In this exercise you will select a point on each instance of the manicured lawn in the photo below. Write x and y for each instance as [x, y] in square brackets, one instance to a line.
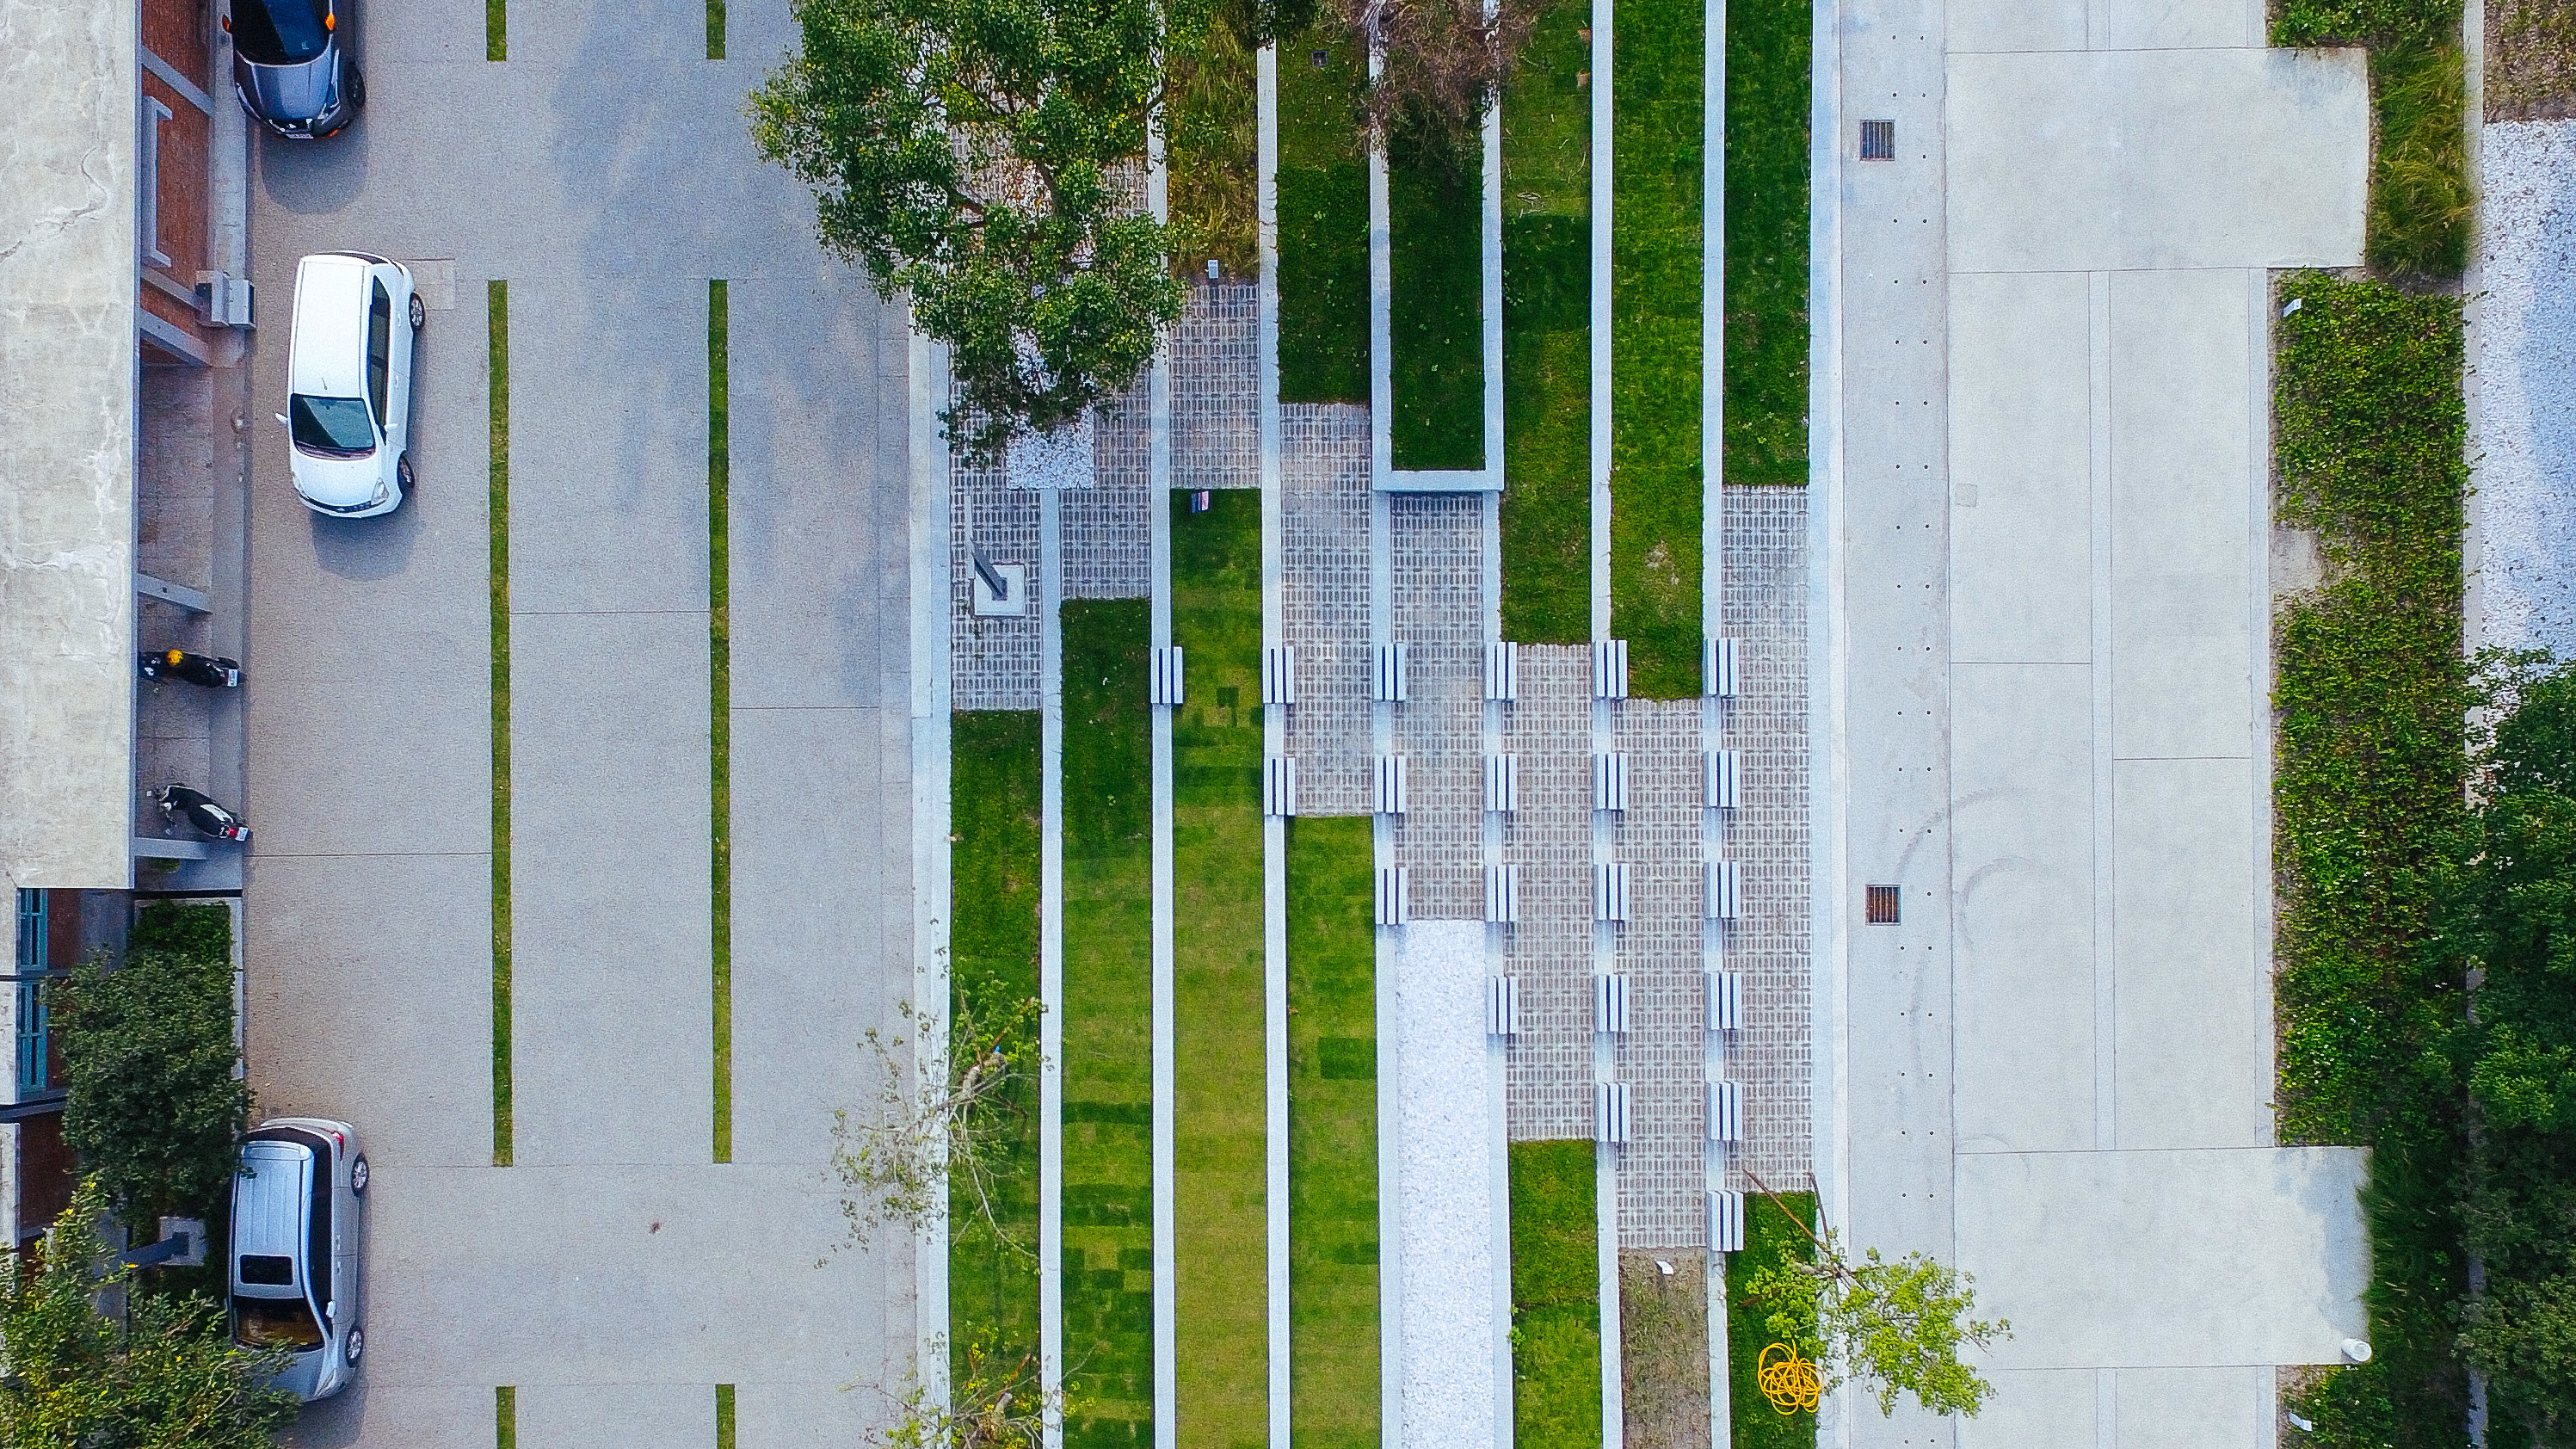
[1332, 1136]
[1655, 338]
[1108, 1020]
[993, 951]
[1435, 264]
[2371, 690]
[1768, 49]
[1547, 334]
[1219, 1112]
[1771, 1238]
[1556, 1297]
[1323, 221]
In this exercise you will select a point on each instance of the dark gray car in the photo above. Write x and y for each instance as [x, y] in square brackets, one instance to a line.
[291, 66]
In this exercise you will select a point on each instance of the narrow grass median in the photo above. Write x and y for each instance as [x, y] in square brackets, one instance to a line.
[1323, 220]
[1332, 1136]
[993, 956]
[1435, 260]
[1108, 1201]
[1656, 300]
[1547, 333]
[1220, 1115]
[1556, 1297]
[720, 709]
[497, 359]
[1769, 48]
[1773, 1237]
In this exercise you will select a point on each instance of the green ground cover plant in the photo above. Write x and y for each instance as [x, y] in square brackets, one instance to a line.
[1212, 148]
[1323, 219]
[1332, 1136]
[1547, 333]
[2370, 696]
[1773, 1239]
[2420, 202]
[497, 360]
[1656, 300]
[154, 1110]
[1768, 60]
[1435, 266]
[1217, 976]
[1108, 1113]
[993, 956]
[1556, 1297]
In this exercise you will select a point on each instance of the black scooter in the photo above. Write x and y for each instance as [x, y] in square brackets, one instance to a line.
[210, 819]
[207, 670]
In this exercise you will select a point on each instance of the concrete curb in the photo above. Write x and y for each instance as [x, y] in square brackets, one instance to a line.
[1274, 833]
[929, 704]
[1159, 531]
[1051, 956]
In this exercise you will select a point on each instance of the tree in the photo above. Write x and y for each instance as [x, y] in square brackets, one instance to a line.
[165, 1375]
[1897, 1327]
[1441, 64]
[902, 1161]
[986, 156]
[987, 1406]
[154, 1108]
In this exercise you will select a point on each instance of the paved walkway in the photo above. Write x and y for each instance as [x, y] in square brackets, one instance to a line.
[615, 1275]
[2046, 535]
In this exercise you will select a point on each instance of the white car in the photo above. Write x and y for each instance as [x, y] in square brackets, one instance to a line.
[292, 1282]
[348, 383]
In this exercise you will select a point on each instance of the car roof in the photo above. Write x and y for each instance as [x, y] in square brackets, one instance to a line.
[327, 351]
[270, 1199]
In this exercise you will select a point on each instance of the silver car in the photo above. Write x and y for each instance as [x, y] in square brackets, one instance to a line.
[292, 68]
[293, 1275]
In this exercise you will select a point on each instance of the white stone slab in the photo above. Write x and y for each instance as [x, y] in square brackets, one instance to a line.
[2018, 25]
[2166, 1259]
[2034, 1409]
[1444, 1153]
[2021, 551]
[2165, 158]
[2193, 1408]
[2022, 906]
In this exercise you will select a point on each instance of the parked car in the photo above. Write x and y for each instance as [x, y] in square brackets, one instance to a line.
[291, 66]
[292, 1281]
[348, 383]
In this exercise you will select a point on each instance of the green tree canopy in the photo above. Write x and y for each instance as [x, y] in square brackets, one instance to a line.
[987, 156]
[154, 1109]
[164, 1375]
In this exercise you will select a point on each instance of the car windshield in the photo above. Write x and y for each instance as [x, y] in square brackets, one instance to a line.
[334, 426]
[275, 1323]
[278, 32]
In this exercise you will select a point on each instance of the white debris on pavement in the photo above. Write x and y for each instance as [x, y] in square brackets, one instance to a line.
[2522, 418]
[1444, 1161]
[1061, 459]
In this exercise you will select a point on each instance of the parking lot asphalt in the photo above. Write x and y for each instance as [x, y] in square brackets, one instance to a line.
[615, 1273]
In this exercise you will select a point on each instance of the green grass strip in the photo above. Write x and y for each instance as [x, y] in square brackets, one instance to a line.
[1772, 1237]
[1323, 220]
[1556, 1297]
[1769, 44]
[505, 1418]
[496, 30]
[1334, 1393]
[2370, 693]
[720, 708]
[1655, 334]
[497, 306]
[1547, 333]
[1214, 149]
[1108, 1115]
[1220, 1114]
[2421, 203]
[993, 955]
[715, 29]
[1436, 270]
[724, 1416]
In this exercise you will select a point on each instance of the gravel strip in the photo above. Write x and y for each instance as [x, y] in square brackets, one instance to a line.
[1450, 1259]
[2522, 419]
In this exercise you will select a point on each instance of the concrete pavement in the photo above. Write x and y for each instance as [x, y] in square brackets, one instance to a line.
[616, 1274]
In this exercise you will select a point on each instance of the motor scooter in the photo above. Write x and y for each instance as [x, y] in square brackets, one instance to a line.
[207, 670]
[210, 819]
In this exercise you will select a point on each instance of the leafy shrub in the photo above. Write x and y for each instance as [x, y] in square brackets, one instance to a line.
[154, 1108]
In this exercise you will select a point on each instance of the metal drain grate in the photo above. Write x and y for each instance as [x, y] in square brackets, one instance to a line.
[1878, 140]
[1883, 905]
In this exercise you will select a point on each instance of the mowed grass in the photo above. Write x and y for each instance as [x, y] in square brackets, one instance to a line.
[993, 958]
[1435, 265]
[1547, 334]
[1556, 1297]
[1332, 1136]
[1655, 338]
[1108, 1018]
[496, 300]
[1221, 1243]
[1323, 220]
[1768, 49]
[1771, 1237]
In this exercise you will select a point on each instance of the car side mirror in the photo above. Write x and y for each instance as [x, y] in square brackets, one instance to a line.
[282, 422]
